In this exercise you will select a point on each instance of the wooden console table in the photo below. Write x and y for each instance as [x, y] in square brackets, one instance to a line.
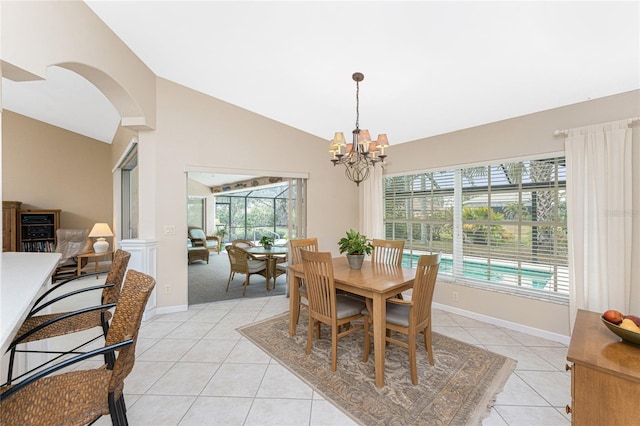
[605, 375]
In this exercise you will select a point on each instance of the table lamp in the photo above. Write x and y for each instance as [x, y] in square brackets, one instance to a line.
[99, 231]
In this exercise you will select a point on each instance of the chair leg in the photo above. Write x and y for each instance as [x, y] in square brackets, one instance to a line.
[310, 335]
[427, 344]
[367, 340]
[246, 283]
[229, 281]
[114, 411]
[334, 347]
[412, 357]
[123, 410]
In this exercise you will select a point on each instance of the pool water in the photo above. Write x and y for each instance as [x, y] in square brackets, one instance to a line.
[479, 271]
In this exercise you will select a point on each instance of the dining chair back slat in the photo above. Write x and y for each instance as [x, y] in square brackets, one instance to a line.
[310, 244]
[387, 251]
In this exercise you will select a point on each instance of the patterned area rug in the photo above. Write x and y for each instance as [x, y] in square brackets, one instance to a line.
[459, 390]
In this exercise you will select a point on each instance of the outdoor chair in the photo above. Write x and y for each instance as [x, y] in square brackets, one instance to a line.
[410, 317]
[45, 326]
[82, 396]
[325, 306]
[200, 239]
[242, 263]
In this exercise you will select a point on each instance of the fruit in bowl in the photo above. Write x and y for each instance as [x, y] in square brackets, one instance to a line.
[633, 318]
[628, 324]
[624, 326]
[613, 316]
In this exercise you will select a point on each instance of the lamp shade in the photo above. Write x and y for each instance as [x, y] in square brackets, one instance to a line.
[99, 231]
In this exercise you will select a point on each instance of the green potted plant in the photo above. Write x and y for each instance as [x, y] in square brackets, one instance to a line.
[266, 242]
[356, 246]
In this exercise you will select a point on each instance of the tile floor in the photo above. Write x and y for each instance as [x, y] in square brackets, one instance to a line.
[193, 368]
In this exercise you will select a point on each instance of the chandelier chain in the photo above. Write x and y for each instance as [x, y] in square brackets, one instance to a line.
[357, 105]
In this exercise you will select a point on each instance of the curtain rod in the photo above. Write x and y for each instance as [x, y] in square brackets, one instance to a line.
[565, 132]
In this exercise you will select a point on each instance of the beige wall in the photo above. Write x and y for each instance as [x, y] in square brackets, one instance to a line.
[198, 131]
[525, 136]
[46, 167]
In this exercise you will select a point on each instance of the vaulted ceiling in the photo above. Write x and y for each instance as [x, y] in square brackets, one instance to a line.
[430, 67]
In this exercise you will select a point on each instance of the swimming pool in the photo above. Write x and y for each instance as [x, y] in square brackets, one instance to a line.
[497, 273]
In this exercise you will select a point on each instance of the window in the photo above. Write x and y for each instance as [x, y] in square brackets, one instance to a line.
[129, 194]
[502, 225]
[196, 212]
[275, 210]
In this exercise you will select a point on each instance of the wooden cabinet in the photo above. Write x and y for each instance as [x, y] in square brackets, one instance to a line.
[37, 230]
[9, 225]
[605, 375]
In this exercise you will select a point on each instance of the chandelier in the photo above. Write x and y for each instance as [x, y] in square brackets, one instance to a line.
[362, 154]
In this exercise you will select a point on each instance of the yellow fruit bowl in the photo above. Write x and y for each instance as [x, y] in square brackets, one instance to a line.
[626, 335]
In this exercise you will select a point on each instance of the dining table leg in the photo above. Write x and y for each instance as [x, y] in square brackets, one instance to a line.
[379, 334]
[294, 304]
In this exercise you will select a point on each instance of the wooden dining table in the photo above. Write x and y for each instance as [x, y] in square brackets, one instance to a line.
[378, 282]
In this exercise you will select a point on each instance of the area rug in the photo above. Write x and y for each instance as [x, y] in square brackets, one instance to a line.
[459, 390]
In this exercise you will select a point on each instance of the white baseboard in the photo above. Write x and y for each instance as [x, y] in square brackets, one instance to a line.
[506, 324]
[172, 309]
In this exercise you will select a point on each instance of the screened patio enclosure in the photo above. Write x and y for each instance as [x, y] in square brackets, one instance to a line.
[251, 213]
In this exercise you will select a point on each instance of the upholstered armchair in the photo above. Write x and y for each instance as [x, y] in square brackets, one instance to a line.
[200, 239]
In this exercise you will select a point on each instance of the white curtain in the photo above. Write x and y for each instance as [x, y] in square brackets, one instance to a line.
[372, 208]
[600, 218]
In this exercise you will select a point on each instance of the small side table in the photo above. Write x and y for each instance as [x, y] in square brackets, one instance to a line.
[97, 258]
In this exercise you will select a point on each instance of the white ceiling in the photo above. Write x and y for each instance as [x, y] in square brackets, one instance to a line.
[430, 67]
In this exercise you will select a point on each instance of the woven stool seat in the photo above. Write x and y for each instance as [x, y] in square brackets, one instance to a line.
[72, 324]
[84, 400]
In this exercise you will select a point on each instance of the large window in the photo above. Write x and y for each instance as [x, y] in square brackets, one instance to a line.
[268, 210]
[501, 225]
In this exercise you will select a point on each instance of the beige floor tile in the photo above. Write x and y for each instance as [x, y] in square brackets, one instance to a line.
[323, 413]
[239, 380]
[210, 351]
[278, 382]
[184, 378]
[217, 411]
[157, 410]
[531, 416]
[168, 350]
[279, 412]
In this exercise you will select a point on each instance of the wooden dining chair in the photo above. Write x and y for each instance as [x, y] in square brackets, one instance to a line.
[295, 256]
[410, 317]
[80, 397]
[325, 306]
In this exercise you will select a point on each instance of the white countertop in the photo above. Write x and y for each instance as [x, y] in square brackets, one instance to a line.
[23, 278]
